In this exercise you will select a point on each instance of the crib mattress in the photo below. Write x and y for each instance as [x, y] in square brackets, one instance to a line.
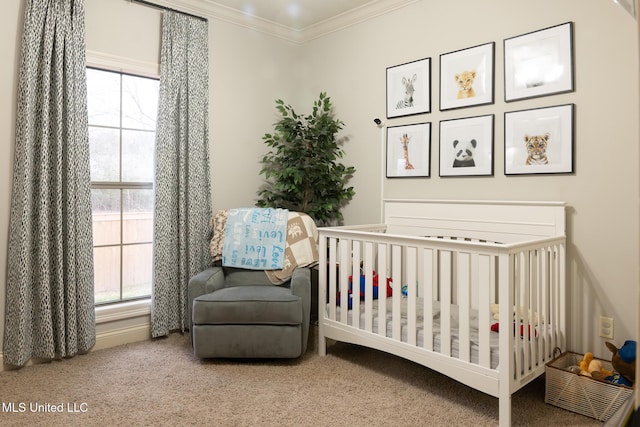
[455, 338]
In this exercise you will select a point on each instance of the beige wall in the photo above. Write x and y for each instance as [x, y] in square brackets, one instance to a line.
[10, 30]
[248, 70]
[602, 195]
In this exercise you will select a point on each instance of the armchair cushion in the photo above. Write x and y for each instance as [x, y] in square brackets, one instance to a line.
[248, 305]
[240, 277]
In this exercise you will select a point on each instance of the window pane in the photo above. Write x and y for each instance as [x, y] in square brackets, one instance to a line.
[136, 270]
[103, 97]
[104, 153]
[122, 122]
[137, 213]
[106, 274]
[139, 102]
[137, 155]
[105, 206]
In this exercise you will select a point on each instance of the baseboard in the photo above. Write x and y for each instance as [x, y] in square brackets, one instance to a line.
[122, 336]
[104, 340]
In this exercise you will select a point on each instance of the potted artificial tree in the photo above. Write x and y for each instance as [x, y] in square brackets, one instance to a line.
[302, 170]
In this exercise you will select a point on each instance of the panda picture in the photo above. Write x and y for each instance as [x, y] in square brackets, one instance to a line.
[466, 146]
[464, 151]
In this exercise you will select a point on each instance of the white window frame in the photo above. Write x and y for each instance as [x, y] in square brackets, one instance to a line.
[127, 315]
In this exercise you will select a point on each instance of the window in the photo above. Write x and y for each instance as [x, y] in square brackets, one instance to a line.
[122, 112]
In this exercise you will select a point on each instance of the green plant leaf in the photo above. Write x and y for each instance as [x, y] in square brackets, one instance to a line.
[301, 171]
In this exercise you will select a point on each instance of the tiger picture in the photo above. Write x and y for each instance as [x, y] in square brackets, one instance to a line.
[537, 149]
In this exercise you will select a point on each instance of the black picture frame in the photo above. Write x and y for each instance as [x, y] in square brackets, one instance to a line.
[409, 151]
[539, 140]
[409, 88]
[467, 77]
[466, 146]
[540, 63]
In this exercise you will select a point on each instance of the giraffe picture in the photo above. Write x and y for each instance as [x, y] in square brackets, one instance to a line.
[409, 151]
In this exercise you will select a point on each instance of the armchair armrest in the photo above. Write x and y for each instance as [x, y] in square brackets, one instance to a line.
[301, 286]
[202, 283]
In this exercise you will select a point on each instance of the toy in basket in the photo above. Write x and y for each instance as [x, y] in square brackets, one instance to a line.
[624, 363]
[570, 387]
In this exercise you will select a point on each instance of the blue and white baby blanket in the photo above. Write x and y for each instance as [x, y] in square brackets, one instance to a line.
[255, 238]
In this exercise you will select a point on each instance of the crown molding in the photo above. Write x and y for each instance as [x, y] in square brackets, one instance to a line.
[352, 17]
[211, 9]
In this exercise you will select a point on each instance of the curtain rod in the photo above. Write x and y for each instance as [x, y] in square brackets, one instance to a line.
[160, 7]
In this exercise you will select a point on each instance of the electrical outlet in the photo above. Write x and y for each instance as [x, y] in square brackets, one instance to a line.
[606, 327]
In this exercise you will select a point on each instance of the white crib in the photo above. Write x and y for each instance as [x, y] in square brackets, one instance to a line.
[460, 263]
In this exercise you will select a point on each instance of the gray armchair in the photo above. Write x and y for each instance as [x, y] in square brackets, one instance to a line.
[239, 313]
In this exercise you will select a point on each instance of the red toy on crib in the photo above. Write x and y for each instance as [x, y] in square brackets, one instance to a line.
[362, 286]
[496, 328]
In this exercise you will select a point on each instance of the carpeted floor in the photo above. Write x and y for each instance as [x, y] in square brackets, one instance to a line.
[160, 382]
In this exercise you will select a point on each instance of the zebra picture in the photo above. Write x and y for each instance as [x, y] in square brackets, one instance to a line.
[407, 101]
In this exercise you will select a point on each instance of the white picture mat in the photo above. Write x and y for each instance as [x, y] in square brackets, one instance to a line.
[539, 63]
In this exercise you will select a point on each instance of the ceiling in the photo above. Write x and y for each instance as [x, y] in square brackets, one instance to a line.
[295, 20]
[294, 14]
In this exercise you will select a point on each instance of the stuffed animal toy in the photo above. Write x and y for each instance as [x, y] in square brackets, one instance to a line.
[591, 367]
[623, 362]
[496, 328]
[523, 315]
[464, 151]
[389, 290]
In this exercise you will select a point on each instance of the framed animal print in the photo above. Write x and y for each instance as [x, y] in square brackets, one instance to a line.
[409, 151]
[467, 76]
[539, 141]
[409, 88]
[466, 146]
[539, 63]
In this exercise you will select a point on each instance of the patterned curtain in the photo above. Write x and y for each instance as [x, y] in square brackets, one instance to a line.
[49, 301]
[182, 187]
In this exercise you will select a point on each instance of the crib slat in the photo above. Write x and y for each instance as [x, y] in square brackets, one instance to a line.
[382, 302]
[368, 293]
[464, 301]
[430, 278]
[355, 285]
[540, 327]
[411, 277]
[515, 301]
[445, 302]
[483, 266]
[524, 306]
[345, 258]
[333, 242]
[396, 274]
[558, 301]
[506, 277]
[545, 311]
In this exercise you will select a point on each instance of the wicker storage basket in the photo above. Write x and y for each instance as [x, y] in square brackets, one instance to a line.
[581, 394]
